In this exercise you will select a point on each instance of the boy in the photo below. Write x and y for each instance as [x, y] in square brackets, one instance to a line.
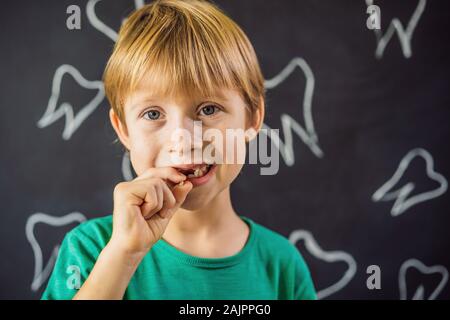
[174, 233]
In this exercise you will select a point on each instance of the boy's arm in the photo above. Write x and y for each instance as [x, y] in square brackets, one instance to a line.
[86, 270]
[111, 274]
[143, 208]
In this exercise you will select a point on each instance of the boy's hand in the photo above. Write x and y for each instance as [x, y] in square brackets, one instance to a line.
[144, 206]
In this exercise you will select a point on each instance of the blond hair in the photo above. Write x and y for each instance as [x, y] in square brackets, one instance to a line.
[182, 47]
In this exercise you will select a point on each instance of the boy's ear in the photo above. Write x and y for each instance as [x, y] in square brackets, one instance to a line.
[256, 120]
[119, 128]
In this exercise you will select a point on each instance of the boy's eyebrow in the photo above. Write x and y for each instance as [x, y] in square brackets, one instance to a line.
[156, 99]
[217, 96]
[142, 101]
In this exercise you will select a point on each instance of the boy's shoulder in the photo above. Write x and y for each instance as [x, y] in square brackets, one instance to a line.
[273, 243]
[96, 229]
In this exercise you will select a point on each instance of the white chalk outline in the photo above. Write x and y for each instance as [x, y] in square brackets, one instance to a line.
[329, 256]
[139, 3]
[401, 203]
[98, 24]
[52, 113]
[419, 293]
[289, 124]
[41, 274]
[404, 36]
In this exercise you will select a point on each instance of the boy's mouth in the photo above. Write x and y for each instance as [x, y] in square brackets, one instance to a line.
[195, 171]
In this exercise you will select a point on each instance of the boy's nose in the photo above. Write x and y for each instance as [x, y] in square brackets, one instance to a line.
[185, 154]
[186, 141]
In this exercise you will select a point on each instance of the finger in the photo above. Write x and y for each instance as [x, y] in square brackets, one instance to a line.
[166, 173]
[169, 201]
[158, 206]
[180, 193]
[149, 202]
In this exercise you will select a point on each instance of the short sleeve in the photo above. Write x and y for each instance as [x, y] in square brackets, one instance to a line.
[296, 281]
[76, 258]
[304, 286]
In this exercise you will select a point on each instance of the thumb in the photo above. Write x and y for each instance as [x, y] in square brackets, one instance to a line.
[179, 192]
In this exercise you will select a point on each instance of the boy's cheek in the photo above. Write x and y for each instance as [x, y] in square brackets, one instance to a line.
[142, 158]
[228, 172]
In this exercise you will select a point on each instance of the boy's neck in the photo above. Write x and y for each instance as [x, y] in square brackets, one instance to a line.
[214, 218]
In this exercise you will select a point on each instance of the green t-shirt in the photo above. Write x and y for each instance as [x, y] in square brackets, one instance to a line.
[268, 267]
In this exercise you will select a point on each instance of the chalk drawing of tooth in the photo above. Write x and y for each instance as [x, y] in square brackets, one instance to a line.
[307, 134]
[419, 294]
[396, 27]
[328, 256]
[41, 272]
[65, 109]
[403, 200]
[100, 25]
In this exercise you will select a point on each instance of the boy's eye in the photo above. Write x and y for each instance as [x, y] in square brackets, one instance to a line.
[209, 109]
[153, 114]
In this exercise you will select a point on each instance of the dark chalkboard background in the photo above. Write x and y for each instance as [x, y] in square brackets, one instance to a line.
[368, 113]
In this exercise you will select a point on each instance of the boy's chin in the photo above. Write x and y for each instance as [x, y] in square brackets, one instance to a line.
[196, 201]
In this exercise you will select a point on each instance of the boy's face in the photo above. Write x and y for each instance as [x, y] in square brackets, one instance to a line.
[149, 135]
